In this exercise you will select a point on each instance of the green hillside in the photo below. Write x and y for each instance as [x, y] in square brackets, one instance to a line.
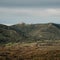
[29, 32]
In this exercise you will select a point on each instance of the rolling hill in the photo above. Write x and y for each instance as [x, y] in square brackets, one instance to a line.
[29, 32]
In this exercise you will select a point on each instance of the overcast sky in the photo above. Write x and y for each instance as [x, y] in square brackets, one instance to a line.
[29, 11]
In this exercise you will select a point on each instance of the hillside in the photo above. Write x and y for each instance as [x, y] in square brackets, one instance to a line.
[48, 31]
[29, 32]
[30, 42]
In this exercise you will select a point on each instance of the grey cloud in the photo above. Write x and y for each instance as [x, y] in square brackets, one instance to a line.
[30, 3]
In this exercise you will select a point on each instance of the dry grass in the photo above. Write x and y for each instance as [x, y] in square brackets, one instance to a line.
[30, 52]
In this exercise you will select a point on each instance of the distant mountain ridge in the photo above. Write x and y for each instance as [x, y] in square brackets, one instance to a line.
[29, 32]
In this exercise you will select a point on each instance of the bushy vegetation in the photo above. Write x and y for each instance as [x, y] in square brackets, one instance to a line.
[29, 32]
[30, 42]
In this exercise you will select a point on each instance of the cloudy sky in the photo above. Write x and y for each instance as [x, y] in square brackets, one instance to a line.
[29, 11]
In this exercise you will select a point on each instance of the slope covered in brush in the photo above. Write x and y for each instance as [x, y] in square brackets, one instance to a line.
[29, 32]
